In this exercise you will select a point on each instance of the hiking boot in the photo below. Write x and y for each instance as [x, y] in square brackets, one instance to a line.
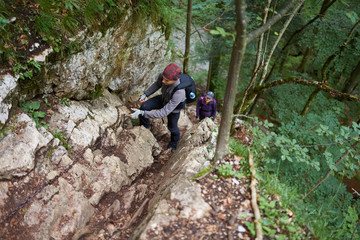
[172, 146]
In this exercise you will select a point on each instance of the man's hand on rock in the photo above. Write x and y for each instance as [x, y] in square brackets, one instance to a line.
[142, 98]
[136, 113]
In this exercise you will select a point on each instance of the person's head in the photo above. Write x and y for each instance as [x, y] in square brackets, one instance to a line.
[171, 74]
[209, 96]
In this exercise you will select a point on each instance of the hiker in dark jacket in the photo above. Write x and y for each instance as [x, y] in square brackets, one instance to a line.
[168, 104]
[206, 106]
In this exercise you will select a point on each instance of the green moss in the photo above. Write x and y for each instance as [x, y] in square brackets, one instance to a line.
[202, 172]
[97, 93]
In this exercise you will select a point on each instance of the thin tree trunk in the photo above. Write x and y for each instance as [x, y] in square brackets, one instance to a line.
[281, 33]
[222, 146]
[316, 91]
[214, 74]
[187, 37]
[309, 102]
[208, 81]
[257, 65]
[268, 58]
[254, 34]
[354, 80]
[325, 6]
[304, 60]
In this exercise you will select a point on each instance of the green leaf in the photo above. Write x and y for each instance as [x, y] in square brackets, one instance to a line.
[35, 105]
[251, 227]
[41, 114]
[291, 228]
[214, 32]
[111, 3]
[272, 204]
[270, 231]
[100, 7]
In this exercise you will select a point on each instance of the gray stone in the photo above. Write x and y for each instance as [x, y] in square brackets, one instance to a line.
[17, 150]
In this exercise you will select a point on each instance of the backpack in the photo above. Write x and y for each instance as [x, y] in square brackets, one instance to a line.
[187, 83]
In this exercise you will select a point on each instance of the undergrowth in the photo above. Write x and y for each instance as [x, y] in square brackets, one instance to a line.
[290, 161]
[54, 22]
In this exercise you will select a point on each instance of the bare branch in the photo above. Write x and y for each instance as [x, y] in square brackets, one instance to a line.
[356, 192]
[326, 5]
[259, 235]
[254, 34]
[259, 56]
[281, 33]
[333, 92]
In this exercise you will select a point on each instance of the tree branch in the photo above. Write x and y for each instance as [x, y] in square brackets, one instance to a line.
[281, 32]
[259, 235]
[326, 5]
[333, 92]
[254, 34]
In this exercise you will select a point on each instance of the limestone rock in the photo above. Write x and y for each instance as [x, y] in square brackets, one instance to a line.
[177, 187]
[67, 211]
[18, 148]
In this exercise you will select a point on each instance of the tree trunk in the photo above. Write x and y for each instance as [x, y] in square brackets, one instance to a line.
[354, 80]
[259, 61]
[214, 67]
[309, 102]
[187, 37]
[222, 146]
[304, 60]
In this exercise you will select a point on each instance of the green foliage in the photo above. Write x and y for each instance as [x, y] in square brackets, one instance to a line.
[298, 155]
[27, 70]
[72, 4]
[33, 109]
[97, 93]
[55, 22]
[202, 172]
[335, 27]
[64, 100]
[62, 137]
[220, 31]
[226, 170]
[350, 228]
[275, 219]
[161, 13]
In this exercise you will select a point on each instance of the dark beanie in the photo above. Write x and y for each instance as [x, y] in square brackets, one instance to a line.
[172, 72]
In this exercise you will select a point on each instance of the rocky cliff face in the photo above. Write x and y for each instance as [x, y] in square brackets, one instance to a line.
[124, 59]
